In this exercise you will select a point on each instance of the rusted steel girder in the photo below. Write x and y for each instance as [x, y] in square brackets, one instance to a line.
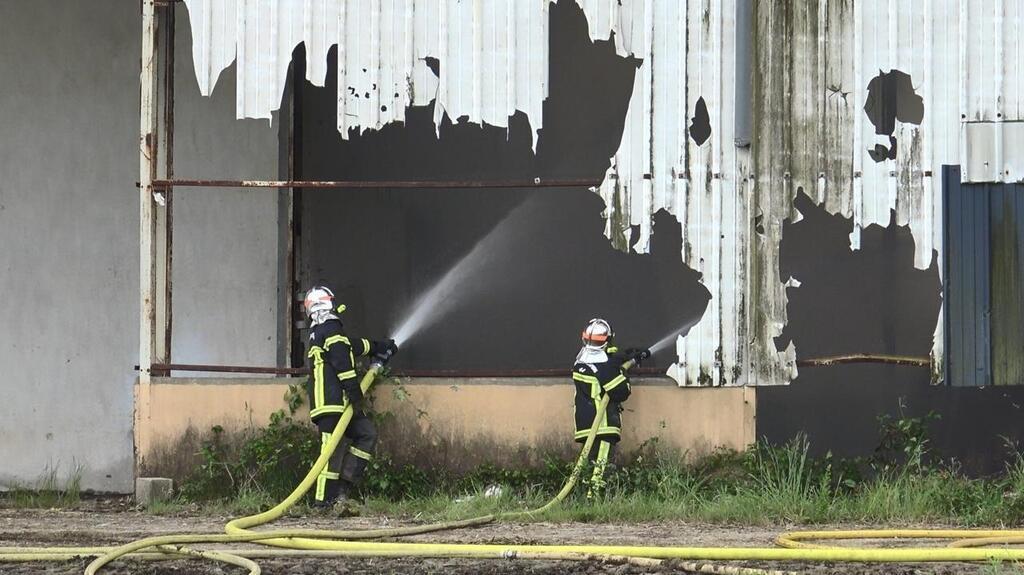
[913, 361]
[534, 183]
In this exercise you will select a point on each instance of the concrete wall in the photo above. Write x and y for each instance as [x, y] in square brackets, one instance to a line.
[458, 423]
[225, 240]
[69, 227]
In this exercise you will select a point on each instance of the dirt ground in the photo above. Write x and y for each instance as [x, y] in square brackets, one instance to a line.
[111, 525]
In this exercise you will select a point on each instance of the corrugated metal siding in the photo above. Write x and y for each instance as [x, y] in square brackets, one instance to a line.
[984, 282]
[688, 53]
[813, 62]
[813, 133]
[966, 289]
[493, 55]
[1006, 320]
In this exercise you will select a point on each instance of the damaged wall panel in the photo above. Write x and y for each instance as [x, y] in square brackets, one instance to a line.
[864, 122]
[677, 154]
[856, 103]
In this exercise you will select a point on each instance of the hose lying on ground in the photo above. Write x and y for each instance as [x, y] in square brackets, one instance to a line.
[308, 542]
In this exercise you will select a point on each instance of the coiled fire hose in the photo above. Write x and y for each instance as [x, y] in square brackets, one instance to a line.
[793, 547]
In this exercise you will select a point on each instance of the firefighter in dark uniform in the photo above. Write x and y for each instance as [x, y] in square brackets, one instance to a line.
[598, 372]
[332, 387]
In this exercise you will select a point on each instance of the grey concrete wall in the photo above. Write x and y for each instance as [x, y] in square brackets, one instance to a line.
[69, 236]
[225, 240]
[68, 227]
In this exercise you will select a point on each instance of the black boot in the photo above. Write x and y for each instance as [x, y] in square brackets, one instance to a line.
[344, 505]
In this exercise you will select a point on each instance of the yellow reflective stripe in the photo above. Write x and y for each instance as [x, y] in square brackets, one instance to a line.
[615, 382]
[318, 376]
[346, 375]
[366, 346]
[335, 339]
[359, 453]
[327, 409]
[600, 462]
[321, 487]
[331, 475]
[600, 431]
[321, 480]
[577, 376]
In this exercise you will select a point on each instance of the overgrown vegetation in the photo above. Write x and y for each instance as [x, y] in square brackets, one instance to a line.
[901, 482]
[48, 491]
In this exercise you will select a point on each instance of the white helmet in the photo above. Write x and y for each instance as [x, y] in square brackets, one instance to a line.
[318, 298]
[596, 337]
[597, 334]
[319, 305]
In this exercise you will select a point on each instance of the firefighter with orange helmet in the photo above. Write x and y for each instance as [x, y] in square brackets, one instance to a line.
[332, 387]
[599, 371]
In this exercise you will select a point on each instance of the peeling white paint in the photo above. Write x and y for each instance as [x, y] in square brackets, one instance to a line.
[812, 65]
[493, 55]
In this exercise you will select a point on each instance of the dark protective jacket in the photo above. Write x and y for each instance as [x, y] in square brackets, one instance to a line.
[332, 383]
[592, 382]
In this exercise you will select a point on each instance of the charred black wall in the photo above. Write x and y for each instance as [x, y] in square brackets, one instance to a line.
[526, 306]
[873, 301]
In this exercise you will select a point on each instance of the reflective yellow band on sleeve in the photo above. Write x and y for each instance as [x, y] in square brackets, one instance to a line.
[614, 382]
[577, 376]
[360, 453]
[335, 339]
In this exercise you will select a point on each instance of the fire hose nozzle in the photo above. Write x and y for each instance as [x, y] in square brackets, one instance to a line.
[382, 357]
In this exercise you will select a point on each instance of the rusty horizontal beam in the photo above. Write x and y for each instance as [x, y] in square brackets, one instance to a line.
[340, 184]
[915, 361]
[554, 372]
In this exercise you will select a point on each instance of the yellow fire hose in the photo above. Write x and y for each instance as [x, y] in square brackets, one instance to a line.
[795, 546]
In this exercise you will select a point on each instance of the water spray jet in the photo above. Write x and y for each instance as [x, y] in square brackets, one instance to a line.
[441, 298]
[674, 335]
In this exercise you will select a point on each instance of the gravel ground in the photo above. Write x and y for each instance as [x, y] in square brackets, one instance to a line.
[110, 524]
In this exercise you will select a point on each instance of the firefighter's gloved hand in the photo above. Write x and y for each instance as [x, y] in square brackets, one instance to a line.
[640, 355]
[385, 349]
[637, 354]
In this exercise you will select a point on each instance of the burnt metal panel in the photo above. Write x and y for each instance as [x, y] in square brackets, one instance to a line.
[940, 78]
[966, 291]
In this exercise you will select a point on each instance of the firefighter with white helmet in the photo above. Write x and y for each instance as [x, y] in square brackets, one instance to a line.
[332, 387]
[598, 372]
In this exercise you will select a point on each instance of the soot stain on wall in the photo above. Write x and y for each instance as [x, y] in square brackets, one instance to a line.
[872, 300]
[381, 248]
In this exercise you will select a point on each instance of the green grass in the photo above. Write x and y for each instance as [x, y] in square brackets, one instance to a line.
[47, 492]
[901, 484]
[1002, 568]
[766, 486]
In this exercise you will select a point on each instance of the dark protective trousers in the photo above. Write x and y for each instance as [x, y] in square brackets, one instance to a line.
[600, 454]
[346, 466]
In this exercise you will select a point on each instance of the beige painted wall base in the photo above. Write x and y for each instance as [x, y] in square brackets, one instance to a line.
[459, 423]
